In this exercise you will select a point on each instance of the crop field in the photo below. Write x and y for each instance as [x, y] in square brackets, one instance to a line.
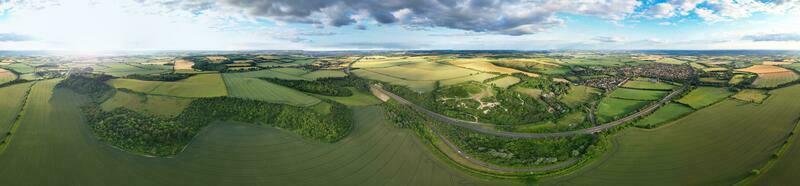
[600, 61]
[158, 105]
[718, 145]
[772, 80]
[648, 85]
[739, 78]
[537, 65]
[424, 71]
[505, 82]
[636, 94]
[476, 77]
[422, 86]
[388, 62]
[716, 69]
[13, 98]
[375, 152]
[324, 74]
[257, 89]
[578, 95]
[666, 113]
[610, 109]
[201, 85]
[703, 96]
[6, 76]
[751, 95]
[484, 65]
[183, 65]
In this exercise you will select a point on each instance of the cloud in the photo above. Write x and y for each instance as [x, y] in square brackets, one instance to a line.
[509, 17]
[605, 39]
[773, 37]
[376, 45]
[12, 37]
[661, 10]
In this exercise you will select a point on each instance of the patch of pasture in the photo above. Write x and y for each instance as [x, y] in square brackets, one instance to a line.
[669, 60]
[532, 92]
[772, 80]
[751, 95]
[157, 105]
[324, 74]
[666, 113]
[201, 85]
[20, 68]
[291, 71]
[703, 96]
[387, 62]
[257, 89]
[123, 69]
[505, 82]
[183, 65]
[637, 94]
[692, 150]
[648, 85]
[579, 94]
[610, 109]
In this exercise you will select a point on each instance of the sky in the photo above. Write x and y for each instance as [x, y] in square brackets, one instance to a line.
[99, 25]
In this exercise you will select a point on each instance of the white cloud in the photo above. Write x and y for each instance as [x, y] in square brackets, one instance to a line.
[661, 10]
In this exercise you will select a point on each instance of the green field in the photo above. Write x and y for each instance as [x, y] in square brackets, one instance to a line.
[158, 105]
[20, 68]
[532, 92]
[668, 112]
[610, 109]
[53, 146]
[201, 85]
[718, 145]
[648, 85]
[264, 74]
[505, 82]
[123, 69]
[704, 96]
[13, 98]
[257, 89]
[636, 94]
[290, 71]
[580, 94]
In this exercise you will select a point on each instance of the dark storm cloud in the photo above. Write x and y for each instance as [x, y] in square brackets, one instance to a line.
[11, 37]
[773, 37]
[509, 17]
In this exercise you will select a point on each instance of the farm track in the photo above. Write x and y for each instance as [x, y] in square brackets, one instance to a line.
[489, 129]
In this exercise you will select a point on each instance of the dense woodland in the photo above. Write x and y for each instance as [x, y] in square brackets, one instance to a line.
[494, 149]
[316, 87]
[152, 135]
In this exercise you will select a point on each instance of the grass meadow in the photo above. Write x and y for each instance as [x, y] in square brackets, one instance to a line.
[152, 104]
[201, 85]
[666, 113]
[636, 94]
[703, 96]
[610, 109]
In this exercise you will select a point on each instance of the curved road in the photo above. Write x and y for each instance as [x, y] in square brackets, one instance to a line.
[489, 129]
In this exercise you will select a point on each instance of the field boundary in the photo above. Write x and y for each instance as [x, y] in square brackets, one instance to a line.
[776, 157]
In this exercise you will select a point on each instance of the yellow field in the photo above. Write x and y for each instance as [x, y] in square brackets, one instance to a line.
[201, 85]
[217, 59]
[770, 76]
[380, 62]
[751, 95]
[183, 65]
[483, 65]
[776, 63]
[422, 86]
[477, 77]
